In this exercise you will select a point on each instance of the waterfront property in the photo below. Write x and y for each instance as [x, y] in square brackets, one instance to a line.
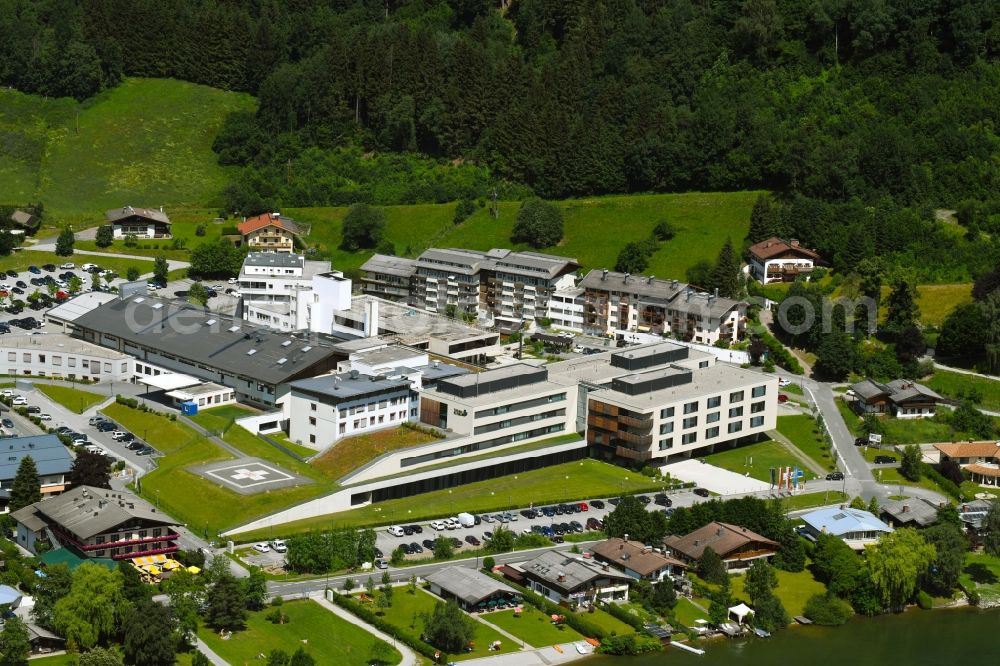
[97, 523]
[637, 560]
[559, 577]
[855, 527]
[470, 588]
[737, 546]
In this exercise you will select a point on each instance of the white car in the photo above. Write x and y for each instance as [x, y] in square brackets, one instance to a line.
[279, 546]
[7, 393]
[262, 547]
[44, 417]
[88, 267]
[19, 400]
[784, 382]
[69, 265]
[233, 280]
[217, 287]
[118, 434]
[438, 525]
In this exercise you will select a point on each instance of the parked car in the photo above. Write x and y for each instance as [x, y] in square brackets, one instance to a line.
[529, 513]
[662, 500]
[702, 492]
[94, 420]
[10, 273]
[782, 397]
[472, 541]
[784, 382]
[404, 548]
[487, 536]
[643, 498]
[835, 476]
[583, 506]
[135, 445]
[577, 527]
[428, 544]
[594, 524]
[381, 564]
[34, 269]
[860, 441]
[69, 264]
[49, 267]
[597, 504]
[7, 423]
[279, 546]
[145, 451]
[615, 501]
[395, 530]
[19, 400]
[438, 525]
[262, 547]
[407, 530]
[486, 518]
[417, 529]
[106, 426]
[34, 409]
[416, 548]
[884, 460]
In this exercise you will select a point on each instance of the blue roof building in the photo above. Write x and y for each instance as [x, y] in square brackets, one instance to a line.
[856, 527]
[51, 457]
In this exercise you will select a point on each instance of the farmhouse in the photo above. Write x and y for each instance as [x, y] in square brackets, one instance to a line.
[779, 260]
[272, 232]
[139, 222]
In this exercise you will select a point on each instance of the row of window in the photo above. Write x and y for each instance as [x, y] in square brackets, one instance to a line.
[57, 360]
[712, 417]
[710, 433]
[518, 406]
[716, 401]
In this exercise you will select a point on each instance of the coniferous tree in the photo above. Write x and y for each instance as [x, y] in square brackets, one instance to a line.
[903, 311]
[105, 236]
[226, 604]
[726, 274]
[64, 243]
[26, 488]
[762, 220]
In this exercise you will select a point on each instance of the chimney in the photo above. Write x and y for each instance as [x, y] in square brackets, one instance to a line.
[651, 278]
[716, 292]
[688, 295]
[562, 577]
[604, 275]
[626, 538]
[371, 319]
[719, 531]
[795, 242]
[627, 276]
[606, 567]
[906, 508]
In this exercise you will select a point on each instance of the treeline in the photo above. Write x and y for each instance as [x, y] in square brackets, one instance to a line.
[830, 100]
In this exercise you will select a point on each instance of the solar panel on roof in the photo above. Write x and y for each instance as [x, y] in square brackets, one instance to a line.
[233, 329]
[286, 343]
[306, 348]
[251, 352]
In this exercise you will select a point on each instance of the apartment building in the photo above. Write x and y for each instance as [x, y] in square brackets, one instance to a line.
[658, 413]
[567, 309]
[505, 286]
[282, 290]
[615, 302]
[270, 232]
[320, 411]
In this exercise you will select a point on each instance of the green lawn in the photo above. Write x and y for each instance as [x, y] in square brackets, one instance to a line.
[406, 611]
[802, 431]
[891, 475]
[205, 507]
[58, 660]
[352, 452]
[982, 573]
[586, 479]
[794, 589]
[903, 431]
[811, 500]
[328, 638]
[686, 612]
[936, 301]
[185, 221]
[282, 439]
[957, 385]
[756, 459]
[71, 398]
[147, 142]
[609, 623]
[703, 220]
[217, 419]
[533, 627]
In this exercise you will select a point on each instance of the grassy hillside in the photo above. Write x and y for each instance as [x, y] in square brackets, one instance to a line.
[596, 228]
[146, 142]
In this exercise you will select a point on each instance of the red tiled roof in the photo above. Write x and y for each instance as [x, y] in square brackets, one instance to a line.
[252, 224]
[774, 246]
[969, 449]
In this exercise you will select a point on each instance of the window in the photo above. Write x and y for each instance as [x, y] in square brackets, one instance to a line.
[756, 421]
[712, 432]
[72, 361]
[736, 396]
[312, 420]
[343, 428]
[735, 426]
[689, 438]
[312, 439]
[11, 357]
[56, 360]
[715, 401]
[667, 413]
[735, 412]
[690, 422]
[667, 443]
[41, 358]
[758, 391]
[157, 531]
[666, 428]
[702, 364]
[26, 357]
[712, 417]
[312, 406]
[757, 407]
[691, 407]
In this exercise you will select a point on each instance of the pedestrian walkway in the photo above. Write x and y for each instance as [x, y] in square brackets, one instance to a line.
[546, 656]
[797, 452]
[963, 371]
[409, 657]
[517, 641]
[207, 651]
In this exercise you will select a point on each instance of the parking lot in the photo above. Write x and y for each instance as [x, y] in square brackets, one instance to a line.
[19, 285]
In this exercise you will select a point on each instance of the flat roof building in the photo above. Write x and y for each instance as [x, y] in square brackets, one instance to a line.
[471, 589]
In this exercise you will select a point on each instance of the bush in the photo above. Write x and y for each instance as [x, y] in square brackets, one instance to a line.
[539, 224]
[629, 644]
[925, 600]
[463, 210]
[828, 610]
[489, 563]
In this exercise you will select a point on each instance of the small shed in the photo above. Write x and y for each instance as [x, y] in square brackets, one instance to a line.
[470, 588]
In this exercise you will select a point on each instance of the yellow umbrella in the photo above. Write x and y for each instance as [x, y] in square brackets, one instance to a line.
[170, 565]
[153, 570]
[194, 570]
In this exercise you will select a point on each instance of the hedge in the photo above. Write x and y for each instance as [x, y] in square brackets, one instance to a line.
[423, 647]
[943, 483]
[779, 354]
[628, 618]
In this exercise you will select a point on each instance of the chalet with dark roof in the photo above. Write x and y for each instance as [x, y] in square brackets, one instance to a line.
[737, 546]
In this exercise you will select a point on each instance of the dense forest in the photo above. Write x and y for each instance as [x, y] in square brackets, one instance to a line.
[863, 116]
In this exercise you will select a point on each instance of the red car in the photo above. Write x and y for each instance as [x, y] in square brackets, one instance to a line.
[782, 397]
[584, 507]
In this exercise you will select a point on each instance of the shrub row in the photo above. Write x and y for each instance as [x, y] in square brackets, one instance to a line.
[943, 483]
[348, 603]
[628, 618]
[135, 404]
[574, 620]
[629, 644]
[779, 355]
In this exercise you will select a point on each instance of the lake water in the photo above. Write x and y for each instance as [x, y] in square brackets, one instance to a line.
[916, 638]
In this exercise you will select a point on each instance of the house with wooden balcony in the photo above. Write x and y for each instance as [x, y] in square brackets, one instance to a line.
[738, 546]
[902, 398]
[780, 260]
[269, 232]
[97, 523]
[139, 222]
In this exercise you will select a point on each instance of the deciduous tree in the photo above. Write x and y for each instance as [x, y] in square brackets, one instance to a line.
[90, 469]
[539, 224]
[448, 628]
[149, 641]
[15, 643]
[89, 614]
[363, 227]
[896, 563]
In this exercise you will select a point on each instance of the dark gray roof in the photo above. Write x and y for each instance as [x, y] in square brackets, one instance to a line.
[469, 585]
[913, 510]
[898, 390]
[703, 304]
[274, 259]
[466, 262]
[87, 511]
[530, 263]
[388, 265]
[550, 565]
[24, 219]
[436, 371]
[869, 389]
[345, 387]
[116, 214]
[193, 334]
[49, 454]
[636, 284]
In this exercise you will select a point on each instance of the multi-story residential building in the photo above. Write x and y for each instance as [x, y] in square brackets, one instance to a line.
[567, 309]
[139, 222]
[58, 355]
[52, 460]
[269, 232]
[779, 260]
[97, 523]
[616, 302]
[320, 411]
[284, 291]
[508, 287]
[659, 413]
[572, 579]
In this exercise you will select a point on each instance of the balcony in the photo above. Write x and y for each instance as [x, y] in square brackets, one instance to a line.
[632, 438]
[641, 422]
[632, 454]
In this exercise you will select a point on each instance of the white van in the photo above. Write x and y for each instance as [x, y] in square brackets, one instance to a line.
[395, 531]
[466, 519]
